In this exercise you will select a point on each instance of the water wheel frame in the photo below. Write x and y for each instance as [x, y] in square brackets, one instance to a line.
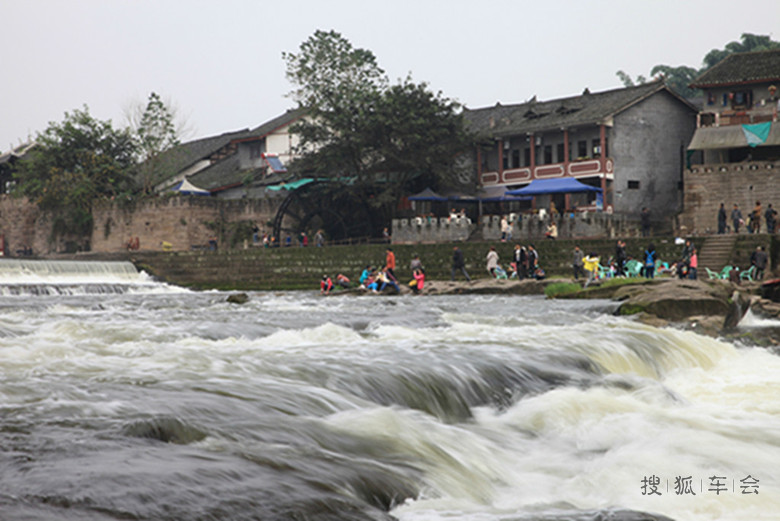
[343, 215]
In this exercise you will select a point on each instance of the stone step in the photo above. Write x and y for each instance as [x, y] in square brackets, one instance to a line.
[716, 251]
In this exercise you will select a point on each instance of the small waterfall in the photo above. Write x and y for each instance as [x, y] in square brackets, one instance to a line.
[68, 277]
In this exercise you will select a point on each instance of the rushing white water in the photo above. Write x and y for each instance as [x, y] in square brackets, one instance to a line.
[158, 403]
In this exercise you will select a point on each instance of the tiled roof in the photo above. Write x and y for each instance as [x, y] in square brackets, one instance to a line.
[537, 116]
[183, 156]
[739, 68]
[187, 154]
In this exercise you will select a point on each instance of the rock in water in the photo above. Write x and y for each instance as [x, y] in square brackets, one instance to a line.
[238, 298]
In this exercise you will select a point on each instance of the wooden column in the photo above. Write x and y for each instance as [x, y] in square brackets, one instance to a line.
[479, 164]
[603, 161]
[567, 197]
[500, 160]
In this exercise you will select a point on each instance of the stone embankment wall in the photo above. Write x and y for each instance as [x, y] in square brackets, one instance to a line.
[302, 268]
[21, 225]
[185, 223]
[744, 184]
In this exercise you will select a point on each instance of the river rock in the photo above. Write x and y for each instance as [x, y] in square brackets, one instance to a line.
[238, 298]
[674, 300]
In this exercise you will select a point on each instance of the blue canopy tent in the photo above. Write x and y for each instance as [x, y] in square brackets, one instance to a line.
[563, 185]
[427, 195]
[499, 193]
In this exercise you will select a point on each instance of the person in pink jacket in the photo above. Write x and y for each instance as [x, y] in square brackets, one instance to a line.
[419, 281]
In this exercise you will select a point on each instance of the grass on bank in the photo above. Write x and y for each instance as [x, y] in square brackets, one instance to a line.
[567, 289]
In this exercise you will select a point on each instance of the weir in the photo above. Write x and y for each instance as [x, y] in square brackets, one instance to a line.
[70, 277]
[14, 269]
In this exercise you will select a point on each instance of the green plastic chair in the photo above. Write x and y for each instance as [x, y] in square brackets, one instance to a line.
[712, 274]
[747, 274]
[725, 272]
[633, 268]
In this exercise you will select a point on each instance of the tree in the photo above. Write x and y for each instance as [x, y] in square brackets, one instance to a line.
[155, 130]
[625, 78]
[382, 137]
[750, 42]
[74, 163]
[679, 78]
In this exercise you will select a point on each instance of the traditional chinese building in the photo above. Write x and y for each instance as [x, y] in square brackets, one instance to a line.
[735, 151]
[234, 164]
[630, 142]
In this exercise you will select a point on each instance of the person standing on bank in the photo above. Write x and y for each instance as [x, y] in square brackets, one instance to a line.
[722, 219]
[390, 263]
[492, 261]
[755, 218]
[644, 219]
[736, 217]
[649, 264]
[620, 258]
[771, 219]
[459, 264]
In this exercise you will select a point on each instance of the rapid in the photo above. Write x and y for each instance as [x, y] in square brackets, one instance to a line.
[126, 398]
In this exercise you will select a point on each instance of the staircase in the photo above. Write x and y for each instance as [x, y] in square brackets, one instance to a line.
[716, 252]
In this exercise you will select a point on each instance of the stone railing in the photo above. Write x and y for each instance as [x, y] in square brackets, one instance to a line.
[437, 229]
[525, 226]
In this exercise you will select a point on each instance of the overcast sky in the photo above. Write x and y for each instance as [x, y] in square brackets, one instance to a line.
[219, 62]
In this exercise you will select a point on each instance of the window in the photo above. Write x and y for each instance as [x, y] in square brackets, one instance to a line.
[255, 150]
[547, 154]
[633, 185]
[582, 149]
[596, 148]
[559, 152]
[741, 99]
[504, 161]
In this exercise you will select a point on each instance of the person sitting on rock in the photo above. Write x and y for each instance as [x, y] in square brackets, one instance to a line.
[326, 284]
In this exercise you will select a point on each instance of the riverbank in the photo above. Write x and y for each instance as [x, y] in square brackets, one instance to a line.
[709, 307]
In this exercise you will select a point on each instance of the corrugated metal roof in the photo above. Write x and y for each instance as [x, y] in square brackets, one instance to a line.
[732, 136]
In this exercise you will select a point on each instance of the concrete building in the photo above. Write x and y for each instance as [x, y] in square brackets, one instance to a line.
[630, 142]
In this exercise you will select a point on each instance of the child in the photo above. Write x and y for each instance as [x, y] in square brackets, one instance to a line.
[325, 285]
[419, 281]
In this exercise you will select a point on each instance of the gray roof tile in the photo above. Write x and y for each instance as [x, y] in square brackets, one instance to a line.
[740, 68]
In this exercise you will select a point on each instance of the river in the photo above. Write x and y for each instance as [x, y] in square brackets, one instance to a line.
[124, 398]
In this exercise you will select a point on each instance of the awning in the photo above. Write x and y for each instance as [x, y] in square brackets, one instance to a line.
[292, 185]
[187, 188]
[427, 195]
[499, 193]
[563, 185]
[731, 136]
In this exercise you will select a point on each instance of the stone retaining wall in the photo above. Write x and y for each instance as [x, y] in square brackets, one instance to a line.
[708, 186]
[302, 268]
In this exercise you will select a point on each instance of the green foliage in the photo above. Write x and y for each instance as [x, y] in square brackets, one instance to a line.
[749, 42]
[155, 132]
[74, 163]
[679, 78]
[557, 289]
[384, 138]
